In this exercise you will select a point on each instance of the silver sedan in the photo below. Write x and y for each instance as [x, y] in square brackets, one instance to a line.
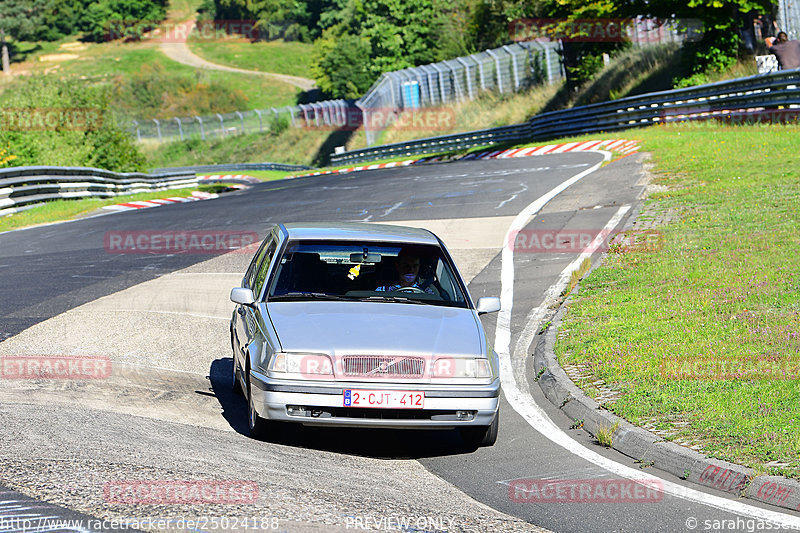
[362, 325]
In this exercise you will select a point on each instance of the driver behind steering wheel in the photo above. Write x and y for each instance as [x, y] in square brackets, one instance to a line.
[407, 266]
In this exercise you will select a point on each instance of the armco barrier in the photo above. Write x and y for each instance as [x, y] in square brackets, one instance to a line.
[233, 167]
[765, 98]
[23, 187]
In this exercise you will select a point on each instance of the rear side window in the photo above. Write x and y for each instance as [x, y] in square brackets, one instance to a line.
[263, 267]
[252, 270]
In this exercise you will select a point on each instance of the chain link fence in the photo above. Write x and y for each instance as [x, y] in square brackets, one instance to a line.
[789, 17]
[505, 69]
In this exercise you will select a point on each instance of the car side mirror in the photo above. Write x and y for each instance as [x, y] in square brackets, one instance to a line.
[488, 304]
[242, 296]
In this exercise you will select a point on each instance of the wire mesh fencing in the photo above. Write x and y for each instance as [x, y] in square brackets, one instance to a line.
[506, 69]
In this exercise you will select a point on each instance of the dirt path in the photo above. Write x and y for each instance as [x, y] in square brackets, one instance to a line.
[179, 51]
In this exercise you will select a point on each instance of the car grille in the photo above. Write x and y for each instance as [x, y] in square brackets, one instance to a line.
[381, 366]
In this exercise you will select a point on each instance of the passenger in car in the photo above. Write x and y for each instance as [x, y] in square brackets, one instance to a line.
[407, 267]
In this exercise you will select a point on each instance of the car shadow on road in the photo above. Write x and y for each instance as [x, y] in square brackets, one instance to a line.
[373, 443]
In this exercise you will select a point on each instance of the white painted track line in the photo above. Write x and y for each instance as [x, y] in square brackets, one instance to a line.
[515, 385]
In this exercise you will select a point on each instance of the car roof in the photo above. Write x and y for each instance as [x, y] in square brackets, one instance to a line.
[359, 231]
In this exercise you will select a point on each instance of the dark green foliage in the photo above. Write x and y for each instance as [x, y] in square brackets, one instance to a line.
[341, 65]
[101, 18]
[278, 125]
[92, 139]
[49, 20]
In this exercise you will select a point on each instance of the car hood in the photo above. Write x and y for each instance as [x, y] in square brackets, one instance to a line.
[376, 328]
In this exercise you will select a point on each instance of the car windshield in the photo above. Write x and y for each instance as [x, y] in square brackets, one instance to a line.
[366, 271]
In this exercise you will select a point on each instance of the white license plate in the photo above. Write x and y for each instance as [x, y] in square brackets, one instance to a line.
[386, 399]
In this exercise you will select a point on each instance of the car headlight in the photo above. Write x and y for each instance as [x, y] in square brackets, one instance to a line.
[302, 363]
[453, 367]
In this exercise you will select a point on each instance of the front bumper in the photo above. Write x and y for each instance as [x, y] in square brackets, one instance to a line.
[323, 404]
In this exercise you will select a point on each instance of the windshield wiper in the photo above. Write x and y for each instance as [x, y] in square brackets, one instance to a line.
[396, 299]
[308, 295]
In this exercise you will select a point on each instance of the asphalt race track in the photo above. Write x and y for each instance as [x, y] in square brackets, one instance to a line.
[166, 411]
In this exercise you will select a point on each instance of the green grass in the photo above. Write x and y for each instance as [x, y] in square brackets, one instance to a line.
[295, 146]
[118, 63]
[58, 210]
[265, 175]
[281, 57]
[180, 10]
[724, 287]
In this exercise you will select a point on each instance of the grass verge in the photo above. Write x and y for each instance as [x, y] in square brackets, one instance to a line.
[60, 210]
[266, 175]
[702, 336]
[280, 57]
[149, 84]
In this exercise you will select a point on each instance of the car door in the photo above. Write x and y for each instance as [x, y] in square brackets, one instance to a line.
[245, 319]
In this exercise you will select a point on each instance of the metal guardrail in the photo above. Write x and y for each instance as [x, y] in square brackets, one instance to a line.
[764, 97]
[233, 167]
[23, 187]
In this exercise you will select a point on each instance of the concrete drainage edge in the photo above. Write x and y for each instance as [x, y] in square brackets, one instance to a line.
[648, 448]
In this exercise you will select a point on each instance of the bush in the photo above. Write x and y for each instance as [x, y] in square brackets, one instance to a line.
[99, 17]
[278, 125]
[82, 130]
[155, 92]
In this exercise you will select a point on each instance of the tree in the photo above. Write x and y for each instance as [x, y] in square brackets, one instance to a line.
[99, 17]
[340, 65]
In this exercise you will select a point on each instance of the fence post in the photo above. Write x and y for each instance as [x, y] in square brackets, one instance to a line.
[305, 113]
[202, 131]
[138, 134]
[442, 92]
[497, 68]
[430, 87]
[513, 66]
[547, 65]
[260, 121]
[481, 74]
[291, 115]
[180, 128]
[241, 121]
[221, 125]
[158, 129]
[457, 89]
[467, 76]
[365, 117]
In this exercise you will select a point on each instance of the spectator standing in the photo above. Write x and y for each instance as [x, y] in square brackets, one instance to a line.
[787, 52]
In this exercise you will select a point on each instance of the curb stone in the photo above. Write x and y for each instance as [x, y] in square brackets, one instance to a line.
[647, 448]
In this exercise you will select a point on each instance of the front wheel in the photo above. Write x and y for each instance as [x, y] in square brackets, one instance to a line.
[258, 426]
[237, 384]
[482, 435]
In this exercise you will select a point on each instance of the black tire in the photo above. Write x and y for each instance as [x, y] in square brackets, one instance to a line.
[258, 426]
[237, 384]
[479, 436]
